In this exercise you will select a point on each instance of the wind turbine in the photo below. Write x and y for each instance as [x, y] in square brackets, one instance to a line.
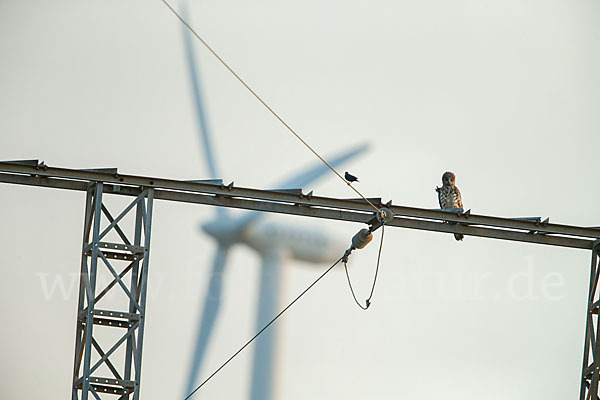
[273, 241]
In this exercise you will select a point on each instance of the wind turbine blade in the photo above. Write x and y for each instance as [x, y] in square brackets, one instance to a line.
[196, 87]
[212, 302]
[198, 100]
[304, 178]
[264, 356]
[319, 169]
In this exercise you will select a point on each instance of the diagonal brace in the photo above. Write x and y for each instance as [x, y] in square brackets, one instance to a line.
[107, 361]
[114, 348]
[118, 279]
[117, 227]
[120, 217]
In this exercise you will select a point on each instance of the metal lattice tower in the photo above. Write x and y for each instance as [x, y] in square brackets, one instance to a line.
[123, 359]
[591, 351]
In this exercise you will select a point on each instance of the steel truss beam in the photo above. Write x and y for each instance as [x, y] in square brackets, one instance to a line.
[297, 203]
[590, 374]
[102, 252]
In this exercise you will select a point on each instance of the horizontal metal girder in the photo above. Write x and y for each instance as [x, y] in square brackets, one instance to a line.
[312, 206]
[110, 390]
[112, 322]
[112, 381]
[342, 215]
[118, 246]
[109, 313]
[111, 171]
[23, 162]
[297, 192]
[116, 256]
[107, 381]
[217, 182]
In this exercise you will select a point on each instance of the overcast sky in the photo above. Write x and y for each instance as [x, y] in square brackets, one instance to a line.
[504, 93]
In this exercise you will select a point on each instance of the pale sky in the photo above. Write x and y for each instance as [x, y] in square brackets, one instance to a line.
[504, 93]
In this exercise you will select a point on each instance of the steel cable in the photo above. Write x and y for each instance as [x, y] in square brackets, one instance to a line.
[263, 329]
[368, 301]
[214, 53]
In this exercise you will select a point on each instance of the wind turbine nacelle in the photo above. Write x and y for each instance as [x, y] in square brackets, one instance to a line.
[310, 245]
[224, 230]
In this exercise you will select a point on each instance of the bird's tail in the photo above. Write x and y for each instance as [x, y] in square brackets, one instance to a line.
[459, 236]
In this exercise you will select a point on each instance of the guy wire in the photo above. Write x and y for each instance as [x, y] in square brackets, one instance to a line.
[265, 104]
[264, 328]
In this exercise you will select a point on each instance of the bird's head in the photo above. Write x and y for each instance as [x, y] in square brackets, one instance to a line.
[448, 179]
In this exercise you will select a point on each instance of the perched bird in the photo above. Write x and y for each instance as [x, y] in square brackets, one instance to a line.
[449, 196]
[350, 178]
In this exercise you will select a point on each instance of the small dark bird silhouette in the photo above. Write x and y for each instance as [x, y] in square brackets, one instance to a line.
[350, 178]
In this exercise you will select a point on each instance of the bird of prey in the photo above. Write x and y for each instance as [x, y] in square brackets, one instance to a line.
[449, 196]
[350, 178]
